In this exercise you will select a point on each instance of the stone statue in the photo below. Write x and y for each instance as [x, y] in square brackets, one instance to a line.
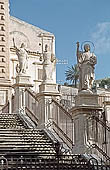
[86, 62]
[22, 58]
[48, 65]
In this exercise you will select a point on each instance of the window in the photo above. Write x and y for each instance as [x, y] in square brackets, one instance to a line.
[2, 7]
[2, 17]
[3, 49]
[2, 38]
[2, 28]
[3, 60]
[3, 71]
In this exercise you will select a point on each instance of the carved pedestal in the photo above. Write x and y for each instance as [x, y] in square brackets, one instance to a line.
[48, 88]
[86, 105]
[86, 98]
[22, 82]
[45, 95]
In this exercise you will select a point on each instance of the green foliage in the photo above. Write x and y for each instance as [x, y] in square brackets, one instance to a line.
[105, 82]
[72, 74]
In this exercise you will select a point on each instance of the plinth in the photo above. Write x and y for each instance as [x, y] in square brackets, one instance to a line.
[22, 82]
[47, 91]
[86, 104]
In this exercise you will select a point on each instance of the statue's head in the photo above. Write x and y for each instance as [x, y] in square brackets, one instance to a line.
[22, 45]
[87, 47]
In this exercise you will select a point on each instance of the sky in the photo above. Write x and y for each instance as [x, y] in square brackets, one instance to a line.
[71, 21]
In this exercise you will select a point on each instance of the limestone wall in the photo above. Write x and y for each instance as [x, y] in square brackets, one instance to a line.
[35, 40]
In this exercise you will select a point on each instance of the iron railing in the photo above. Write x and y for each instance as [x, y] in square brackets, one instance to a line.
[67, 100]
[62, 123]
[60, 162]
[31, 105]
[5, 108]
[102, 99]
[98, 134]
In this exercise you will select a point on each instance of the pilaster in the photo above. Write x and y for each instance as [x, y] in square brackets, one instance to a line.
[46, 93]
[5, 84]
[22, 82]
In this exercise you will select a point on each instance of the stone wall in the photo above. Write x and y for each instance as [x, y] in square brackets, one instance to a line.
[35, 40]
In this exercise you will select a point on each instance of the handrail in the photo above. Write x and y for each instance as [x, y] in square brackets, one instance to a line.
[30, 99]
[63, 122]
[6, 105]
[101, 122]
[64, 134]
[31, 93]
[35, 117]
[63, 109]
[101, 151]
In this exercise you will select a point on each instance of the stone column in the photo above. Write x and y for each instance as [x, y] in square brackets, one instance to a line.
[107, 111]
[22, 82]
[86, 104]
[5, 83]
[45, 95]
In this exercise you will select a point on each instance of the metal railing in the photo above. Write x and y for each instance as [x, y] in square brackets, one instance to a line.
[31, 105]
[62, 123]
[28, 105]
[102, 99]
[5, 108]
[98, 133]
[60, 162]
[67, 100]
[101, 151]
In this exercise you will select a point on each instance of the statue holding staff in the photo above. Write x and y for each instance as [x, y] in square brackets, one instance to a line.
[86, 64]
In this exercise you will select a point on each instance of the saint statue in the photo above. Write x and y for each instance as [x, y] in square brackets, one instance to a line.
[86, 64]
[48, 64]
[22, 58]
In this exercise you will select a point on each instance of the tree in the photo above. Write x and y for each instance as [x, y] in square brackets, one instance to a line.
[72, 74]
[104, 82]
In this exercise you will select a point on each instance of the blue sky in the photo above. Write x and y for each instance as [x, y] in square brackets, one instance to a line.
[71, 21]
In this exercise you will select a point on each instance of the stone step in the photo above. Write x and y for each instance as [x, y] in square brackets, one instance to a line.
[16, 137]
[24, 141]
[28, 147]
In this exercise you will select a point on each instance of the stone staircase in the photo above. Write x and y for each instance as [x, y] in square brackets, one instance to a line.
[25, 140]
[16, 136]
[27, 148]
[12, 121]
[17, 140]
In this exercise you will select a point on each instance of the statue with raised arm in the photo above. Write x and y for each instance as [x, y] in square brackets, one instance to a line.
[86, 64]
[22, 58]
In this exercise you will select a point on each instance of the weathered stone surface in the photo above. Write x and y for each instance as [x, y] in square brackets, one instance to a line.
[35, 40]
[86, 62]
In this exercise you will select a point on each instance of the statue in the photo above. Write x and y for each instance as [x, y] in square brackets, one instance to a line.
[22, 58]
[86, 63]
[48, 65]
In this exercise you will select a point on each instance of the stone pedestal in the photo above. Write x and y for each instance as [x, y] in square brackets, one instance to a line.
[45, 95]
[80, 116]
[86, 103]
[22, 82]
[86, 98]
[48, 88]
